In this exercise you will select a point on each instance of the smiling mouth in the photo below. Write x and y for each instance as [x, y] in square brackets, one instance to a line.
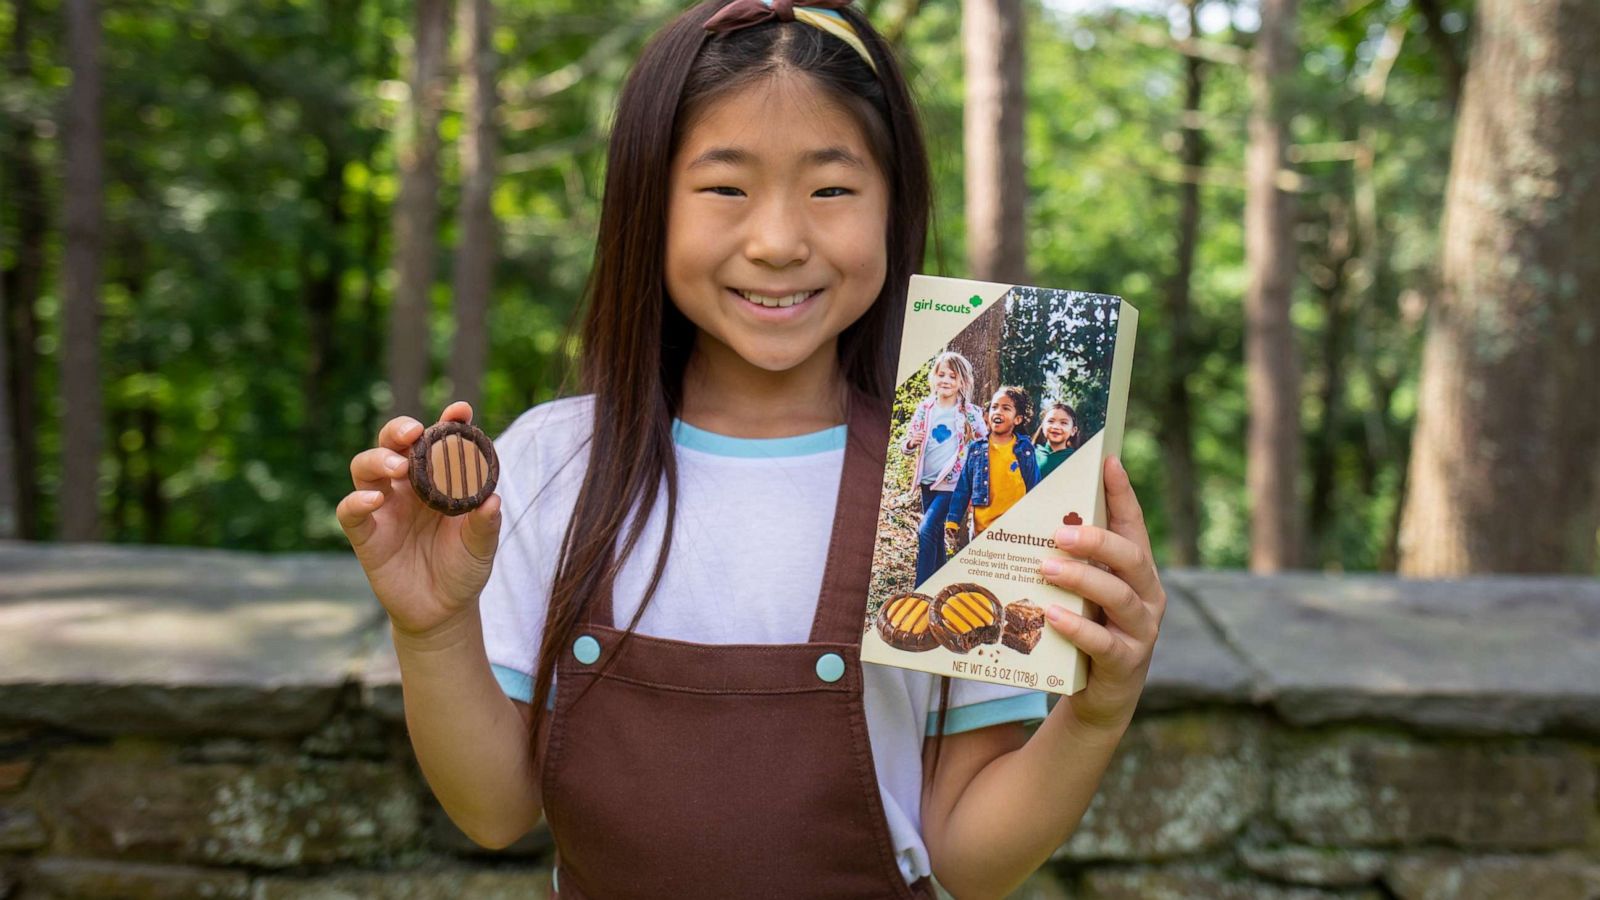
[778, 302]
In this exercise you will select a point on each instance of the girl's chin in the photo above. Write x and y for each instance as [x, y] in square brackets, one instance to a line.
[775, 359]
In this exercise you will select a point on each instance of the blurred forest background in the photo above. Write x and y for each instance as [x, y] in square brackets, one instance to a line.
[1361, 234]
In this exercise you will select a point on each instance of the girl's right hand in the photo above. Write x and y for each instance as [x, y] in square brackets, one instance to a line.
[425, 567]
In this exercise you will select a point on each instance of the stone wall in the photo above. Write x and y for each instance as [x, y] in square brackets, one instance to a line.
[182, 723]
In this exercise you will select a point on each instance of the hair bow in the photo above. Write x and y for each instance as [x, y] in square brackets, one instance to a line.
[819, 13]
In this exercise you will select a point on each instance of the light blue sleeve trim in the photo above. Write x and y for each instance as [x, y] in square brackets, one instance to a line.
[686, 435]
[1027, 707]
[519, 685]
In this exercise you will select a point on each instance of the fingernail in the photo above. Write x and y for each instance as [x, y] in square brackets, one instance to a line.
[1050, 566]
[1117, 461]
[1057, 614]
[370, 496]
[1067, 535]
[396, 464]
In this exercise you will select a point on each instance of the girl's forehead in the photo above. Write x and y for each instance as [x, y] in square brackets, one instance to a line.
[780, 119]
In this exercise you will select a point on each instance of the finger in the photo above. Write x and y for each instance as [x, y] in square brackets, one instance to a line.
[354, 513]
[1121, 603]
[1123, 513]
[1126, 558]
[481, 532]
[1089, 636]
[459, 411]
[372, 469]
[400, 433]
[1102, 545]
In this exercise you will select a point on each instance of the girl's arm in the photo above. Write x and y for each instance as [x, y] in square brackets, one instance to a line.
[916, 432]
[1000, 803]
[470, 739]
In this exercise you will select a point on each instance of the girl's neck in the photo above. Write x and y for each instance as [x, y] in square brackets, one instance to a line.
[947, 402]
[1003, 439]
[725, 394]
[1058, 445]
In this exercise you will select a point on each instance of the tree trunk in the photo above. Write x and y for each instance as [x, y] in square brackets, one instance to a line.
[1331, 276]
[417, 211]
[80, 341]
[1444, 48]
[477, 252]
[323, 292]
[1272, 366]
[370, 350]
[980, 344]
[8, 488]
[1175, 428]
[1503, 476]
[21, 183]
[996, 183]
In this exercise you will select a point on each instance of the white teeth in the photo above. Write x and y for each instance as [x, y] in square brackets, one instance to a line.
[775, 302]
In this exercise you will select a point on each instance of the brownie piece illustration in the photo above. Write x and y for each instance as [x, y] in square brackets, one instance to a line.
[1024, 624]
[903, 622]
[454, 467]
[965, 615]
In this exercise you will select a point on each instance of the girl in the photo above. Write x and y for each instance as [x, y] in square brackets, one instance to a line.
[941, 429]
[658, 651]
[1000, 469]
[1057, 437]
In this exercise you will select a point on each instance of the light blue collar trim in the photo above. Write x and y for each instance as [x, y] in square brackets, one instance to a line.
[827, 440]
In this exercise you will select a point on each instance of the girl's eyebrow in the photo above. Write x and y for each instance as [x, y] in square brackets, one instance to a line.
[726, 156]
[736, 156]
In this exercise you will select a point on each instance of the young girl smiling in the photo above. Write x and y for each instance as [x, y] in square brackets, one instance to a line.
[1057, 437]
[1000, 468]
[938, 434]
[650, 634]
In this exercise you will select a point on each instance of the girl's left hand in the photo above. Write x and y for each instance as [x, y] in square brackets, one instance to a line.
[1130, 592]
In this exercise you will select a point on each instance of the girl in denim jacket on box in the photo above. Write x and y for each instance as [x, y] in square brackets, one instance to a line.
[941, 429]
[1000, 468]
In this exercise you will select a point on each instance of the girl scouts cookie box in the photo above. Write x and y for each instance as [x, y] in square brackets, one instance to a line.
[1008, 400]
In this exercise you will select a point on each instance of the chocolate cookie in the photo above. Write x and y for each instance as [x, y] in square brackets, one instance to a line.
[903, 622]
[454, 467]
[965, 615]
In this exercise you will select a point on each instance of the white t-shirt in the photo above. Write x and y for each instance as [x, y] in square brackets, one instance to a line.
[943, 441]
[754, 512]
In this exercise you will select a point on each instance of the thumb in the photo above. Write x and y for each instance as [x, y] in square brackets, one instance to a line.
[481, 530]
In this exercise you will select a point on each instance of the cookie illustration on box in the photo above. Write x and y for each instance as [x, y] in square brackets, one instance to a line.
[454, 467]
[1024, 624]
[965, 615]
[903, 622]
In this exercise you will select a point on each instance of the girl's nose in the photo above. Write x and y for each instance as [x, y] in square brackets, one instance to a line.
[777, 235]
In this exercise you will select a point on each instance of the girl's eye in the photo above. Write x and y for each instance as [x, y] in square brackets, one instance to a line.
[723, 190]
[827, 192]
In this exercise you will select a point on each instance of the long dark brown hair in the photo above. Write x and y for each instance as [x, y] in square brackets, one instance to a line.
[636, 344]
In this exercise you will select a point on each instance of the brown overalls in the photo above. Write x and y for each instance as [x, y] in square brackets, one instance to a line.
[729, 770]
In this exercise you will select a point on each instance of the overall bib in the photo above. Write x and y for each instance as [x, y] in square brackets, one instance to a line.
[729, 770]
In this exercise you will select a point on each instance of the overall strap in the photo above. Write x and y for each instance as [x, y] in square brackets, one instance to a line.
[842, 607]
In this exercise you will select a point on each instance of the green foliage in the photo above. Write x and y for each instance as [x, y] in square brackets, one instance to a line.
[252, 171]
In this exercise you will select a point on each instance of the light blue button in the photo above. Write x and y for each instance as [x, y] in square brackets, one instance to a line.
[586, 649]
[830, 667]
